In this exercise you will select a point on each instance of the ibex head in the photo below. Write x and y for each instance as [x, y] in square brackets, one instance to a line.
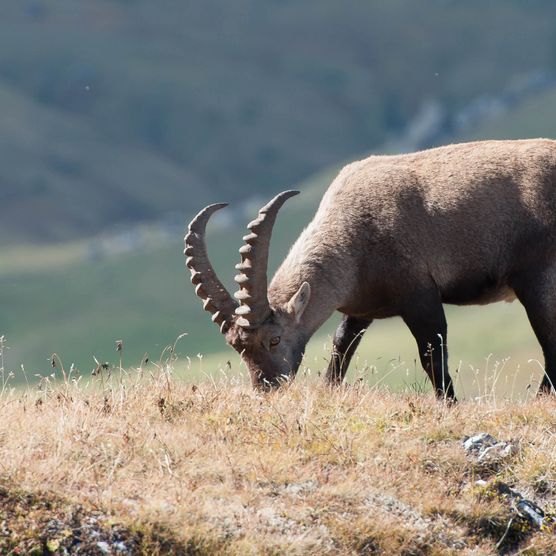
[269, 339]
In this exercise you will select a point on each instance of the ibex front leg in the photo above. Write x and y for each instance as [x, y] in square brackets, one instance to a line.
[347, 338]
[424, 315]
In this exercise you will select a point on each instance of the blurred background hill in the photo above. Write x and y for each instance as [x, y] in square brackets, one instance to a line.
[116, 111]
[121, 119]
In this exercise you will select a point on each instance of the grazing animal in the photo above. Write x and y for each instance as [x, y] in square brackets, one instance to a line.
[471, 223]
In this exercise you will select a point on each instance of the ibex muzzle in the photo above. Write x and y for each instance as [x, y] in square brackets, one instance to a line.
[399, 235]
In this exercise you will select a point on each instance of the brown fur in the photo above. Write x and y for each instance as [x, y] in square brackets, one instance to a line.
[461, 218]
[471, 223]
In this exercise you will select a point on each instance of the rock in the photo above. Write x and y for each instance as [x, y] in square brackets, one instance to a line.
[104, 547]
[525, 508]
[487, 449]
[479, 442]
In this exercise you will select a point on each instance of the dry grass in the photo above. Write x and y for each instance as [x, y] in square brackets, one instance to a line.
[218, 468]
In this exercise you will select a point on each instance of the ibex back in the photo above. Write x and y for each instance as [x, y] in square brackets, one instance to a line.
[472, 223]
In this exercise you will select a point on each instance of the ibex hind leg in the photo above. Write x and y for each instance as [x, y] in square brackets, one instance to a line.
[424, 316]
[346, 339]
[537, 293]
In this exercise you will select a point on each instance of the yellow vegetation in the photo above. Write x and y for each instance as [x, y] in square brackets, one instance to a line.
[222, 469]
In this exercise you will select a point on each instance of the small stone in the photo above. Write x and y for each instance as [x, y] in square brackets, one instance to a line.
[479, 441]
[487, 449]
[120, 547]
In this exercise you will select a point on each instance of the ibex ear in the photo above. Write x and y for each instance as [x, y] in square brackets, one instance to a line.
[299, 300]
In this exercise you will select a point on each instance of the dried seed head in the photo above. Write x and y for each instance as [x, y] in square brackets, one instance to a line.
[100, 367]
[119, 345]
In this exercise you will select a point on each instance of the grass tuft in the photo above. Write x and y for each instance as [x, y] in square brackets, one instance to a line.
[170, 467]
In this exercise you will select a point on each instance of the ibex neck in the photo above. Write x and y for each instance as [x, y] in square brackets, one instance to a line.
[324, 273]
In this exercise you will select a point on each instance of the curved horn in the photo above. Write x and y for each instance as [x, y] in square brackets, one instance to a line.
[254, 306]
[216, 299]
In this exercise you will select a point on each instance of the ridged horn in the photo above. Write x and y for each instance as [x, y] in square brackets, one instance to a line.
[216, 299]
[252, 279]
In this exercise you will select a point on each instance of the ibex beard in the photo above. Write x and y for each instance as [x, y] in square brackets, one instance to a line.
[473, 223]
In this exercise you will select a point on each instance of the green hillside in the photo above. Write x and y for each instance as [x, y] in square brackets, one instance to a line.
[535, 117]
[61, 299]
[124, 111]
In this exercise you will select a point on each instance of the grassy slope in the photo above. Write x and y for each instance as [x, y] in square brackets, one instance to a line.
[220, 469]
[120, 111]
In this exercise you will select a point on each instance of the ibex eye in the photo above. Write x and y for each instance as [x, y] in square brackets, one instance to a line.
[274, 341]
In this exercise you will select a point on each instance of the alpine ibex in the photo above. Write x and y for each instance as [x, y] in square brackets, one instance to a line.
[472, 223]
